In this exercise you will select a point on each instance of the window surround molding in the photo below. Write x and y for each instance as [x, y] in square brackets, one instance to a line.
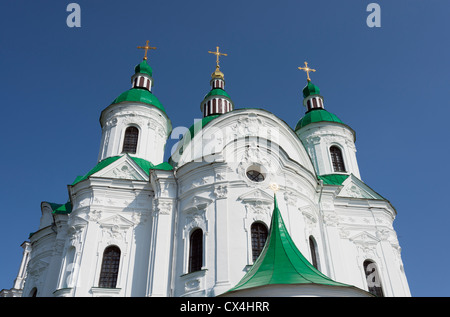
[105, 292]
[115, 230]
[197, 223]
[139, 137]
[343, 157]
[258, 208]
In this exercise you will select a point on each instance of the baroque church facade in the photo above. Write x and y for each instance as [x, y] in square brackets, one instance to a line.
[241, 187]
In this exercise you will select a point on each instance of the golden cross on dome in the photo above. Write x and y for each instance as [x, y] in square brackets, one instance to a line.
[307, 70]
[146, 48]
[217, 53]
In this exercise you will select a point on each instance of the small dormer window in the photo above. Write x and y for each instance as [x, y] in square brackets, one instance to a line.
[130, 140]
[337, 159]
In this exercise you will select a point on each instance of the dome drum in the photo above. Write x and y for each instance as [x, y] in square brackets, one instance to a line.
[216, 105]
[142, 81]
[313, 102]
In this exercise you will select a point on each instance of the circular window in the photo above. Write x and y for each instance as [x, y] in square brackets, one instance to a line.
[255, 174]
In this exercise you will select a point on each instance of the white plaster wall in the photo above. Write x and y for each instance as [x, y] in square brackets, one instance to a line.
[153, 125]
[319, 137]
[150, 220]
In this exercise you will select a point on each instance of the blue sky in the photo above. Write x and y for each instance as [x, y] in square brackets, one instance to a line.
[387, 83]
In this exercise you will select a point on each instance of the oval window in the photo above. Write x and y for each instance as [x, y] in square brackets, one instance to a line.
[255, 174]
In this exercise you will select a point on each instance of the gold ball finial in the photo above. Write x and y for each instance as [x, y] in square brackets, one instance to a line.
[217, 73]
[274, 187]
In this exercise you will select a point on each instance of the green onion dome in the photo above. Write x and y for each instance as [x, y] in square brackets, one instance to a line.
[317, 115]
[141, 89]
[139, 95]
[143, 68]
[217, 92]
[310, 89]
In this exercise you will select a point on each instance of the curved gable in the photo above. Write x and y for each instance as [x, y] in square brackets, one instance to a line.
[241, 126]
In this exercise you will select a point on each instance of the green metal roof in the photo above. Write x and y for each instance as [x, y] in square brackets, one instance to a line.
[63, 208]
[310, 89]
[144, 68]
[140, 95]
[101, 165]
[163, 166]
[317, 115]
[280, 262]
[333, 179]
[338, 180]
[217, 92]
[144, 164]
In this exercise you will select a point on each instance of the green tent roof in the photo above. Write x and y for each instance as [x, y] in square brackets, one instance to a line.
[317, 115]
[140, 95]
[280, 262]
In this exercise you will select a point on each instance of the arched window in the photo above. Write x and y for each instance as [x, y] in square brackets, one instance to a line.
[373, 278]
[110, 267]
[130, 140]
[337, 159]
[314, 253]
[196, 251]
[259, 237]
[33, 292]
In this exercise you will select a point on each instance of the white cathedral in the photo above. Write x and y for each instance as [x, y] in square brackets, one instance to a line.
[245, 206]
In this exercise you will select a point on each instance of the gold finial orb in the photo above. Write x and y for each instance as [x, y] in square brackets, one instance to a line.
[274, 187]
[217, 73]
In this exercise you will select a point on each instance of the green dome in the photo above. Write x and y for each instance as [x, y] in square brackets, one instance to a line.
[144, 68]
[218, 92]
[317, 115]
[139, 95]
[310, 89]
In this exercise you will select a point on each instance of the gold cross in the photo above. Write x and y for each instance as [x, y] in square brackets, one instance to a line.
[146, 48]
[217, 53]
[307, 70]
